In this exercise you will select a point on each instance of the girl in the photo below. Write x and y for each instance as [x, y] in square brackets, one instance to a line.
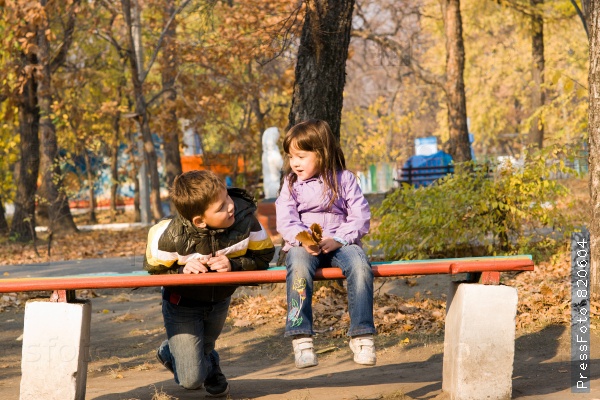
[318, 189]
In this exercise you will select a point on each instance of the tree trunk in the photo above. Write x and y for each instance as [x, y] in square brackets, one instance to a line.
[136, 66]
[151, 160]
[169, 73]
[594, 141]
[23, 223]
[321, 65]
[91, 181]
[136, 196]
[53, 196]
[3, 223]
[254, 103]
[458, 145]
[536, 131]
[114, 167]
[260, 116]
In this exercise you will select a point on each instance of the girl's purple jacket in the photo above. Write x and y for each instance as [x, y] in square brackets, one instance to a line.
[348, 218]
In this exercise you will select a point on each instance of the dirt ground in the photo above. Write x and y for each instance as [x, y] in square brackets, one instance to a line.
[127, 328]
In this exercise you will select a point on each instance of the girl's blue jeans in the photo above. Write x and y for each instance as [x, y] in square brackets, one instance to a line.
[192, 333]
[301, 268]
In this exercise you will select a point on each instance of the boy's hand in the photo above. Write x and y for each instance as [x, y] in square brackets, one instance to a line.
[219, 263]
[312, 249]
[194, 266]
[328, 245]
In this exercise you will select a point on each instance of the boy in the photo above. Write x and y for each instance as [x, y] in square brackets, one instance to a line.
[215, 230]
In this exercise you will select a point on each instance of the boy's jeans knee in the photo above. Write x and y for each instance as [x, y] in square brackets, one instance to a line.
[301, 268]
[192, 333]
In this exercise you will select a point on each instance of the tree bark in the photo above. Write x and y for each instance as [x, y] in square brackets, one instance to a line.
[54, 198]
[254, 103]
[114, 166]
[169, 74]
[258, 113]
[594, 141]
[91, 181]
[321, 65]
[23, 223]
[133, 174]
[136, 196]
[136, 66]
[536, 131]
[458, 144]
[3, 223]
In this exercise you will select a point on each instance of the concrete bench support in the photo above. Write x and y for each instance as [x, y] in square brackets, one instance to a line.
[479, 342]
[56, 337]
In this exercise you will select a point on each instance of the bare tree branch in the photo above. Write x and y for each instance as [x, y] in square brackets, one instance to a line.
[159, 94]
[524, 9]
[287, 25]
[403, 54]
[161, 38]
[68, 38]
[108, 36]
[582, 17]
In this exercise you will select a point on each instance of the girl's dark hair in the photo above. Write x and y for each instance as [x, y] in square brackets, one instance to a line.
[316, 136]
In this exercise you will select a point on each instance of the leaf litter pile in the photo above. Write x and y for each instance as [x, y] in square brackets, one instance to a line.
[392, 314]
[544, 294]
[76, 246]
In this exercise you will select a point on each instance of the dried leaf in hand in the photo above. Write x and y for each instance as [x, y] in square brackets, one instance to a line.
[305, 238]
[317, 232]
[312, 237]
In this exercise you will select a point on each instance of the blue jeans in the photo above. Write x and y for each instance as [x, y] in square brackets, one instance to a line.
[301, 268]
[192, 333]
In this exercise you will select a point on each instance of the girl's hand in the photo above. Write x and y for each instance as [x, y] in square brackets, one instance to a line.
[219, 263]
[328, 245]
[313, 250]
[194, 266]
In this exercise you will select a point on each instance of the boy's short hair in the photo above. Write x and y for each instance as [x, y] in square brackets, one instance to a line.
[193, 191]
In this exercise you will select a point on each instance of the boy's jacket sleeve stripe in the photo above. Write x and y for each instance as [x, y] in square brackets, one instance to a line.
[261, 245]
[154, 256]
[260, 240]
[258, 235]
[230, 251]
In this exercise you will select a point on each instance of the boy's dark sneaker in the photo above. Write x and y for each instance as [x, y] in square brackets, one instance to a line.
[215, 383]
[168, 364]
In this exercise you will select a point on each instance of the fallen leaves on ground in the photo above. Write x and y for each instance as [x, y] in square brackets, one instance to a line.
[545, 294]
[392, 314]
[76, 246]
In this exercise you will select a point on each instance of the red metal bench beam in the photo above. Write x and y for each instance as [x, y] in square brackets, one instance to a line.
[489, 267]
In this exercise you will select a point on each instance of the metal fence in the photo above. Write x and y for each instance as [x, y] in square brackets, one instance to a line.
[423, 176]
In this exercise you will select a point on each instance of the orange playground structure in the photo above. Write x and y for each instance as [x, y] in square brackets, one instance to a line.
[221, 164]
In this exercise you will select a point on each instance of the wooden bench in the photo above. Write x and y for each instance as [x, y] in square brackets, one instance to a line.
[478, 342]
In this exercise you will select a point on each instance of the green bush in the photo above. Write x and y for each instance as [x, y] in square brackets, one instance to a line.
[479, 210]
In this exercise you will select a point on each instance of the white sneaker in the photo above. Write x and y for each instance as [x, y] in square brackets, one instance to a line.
[304, 353]
[364, 350]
